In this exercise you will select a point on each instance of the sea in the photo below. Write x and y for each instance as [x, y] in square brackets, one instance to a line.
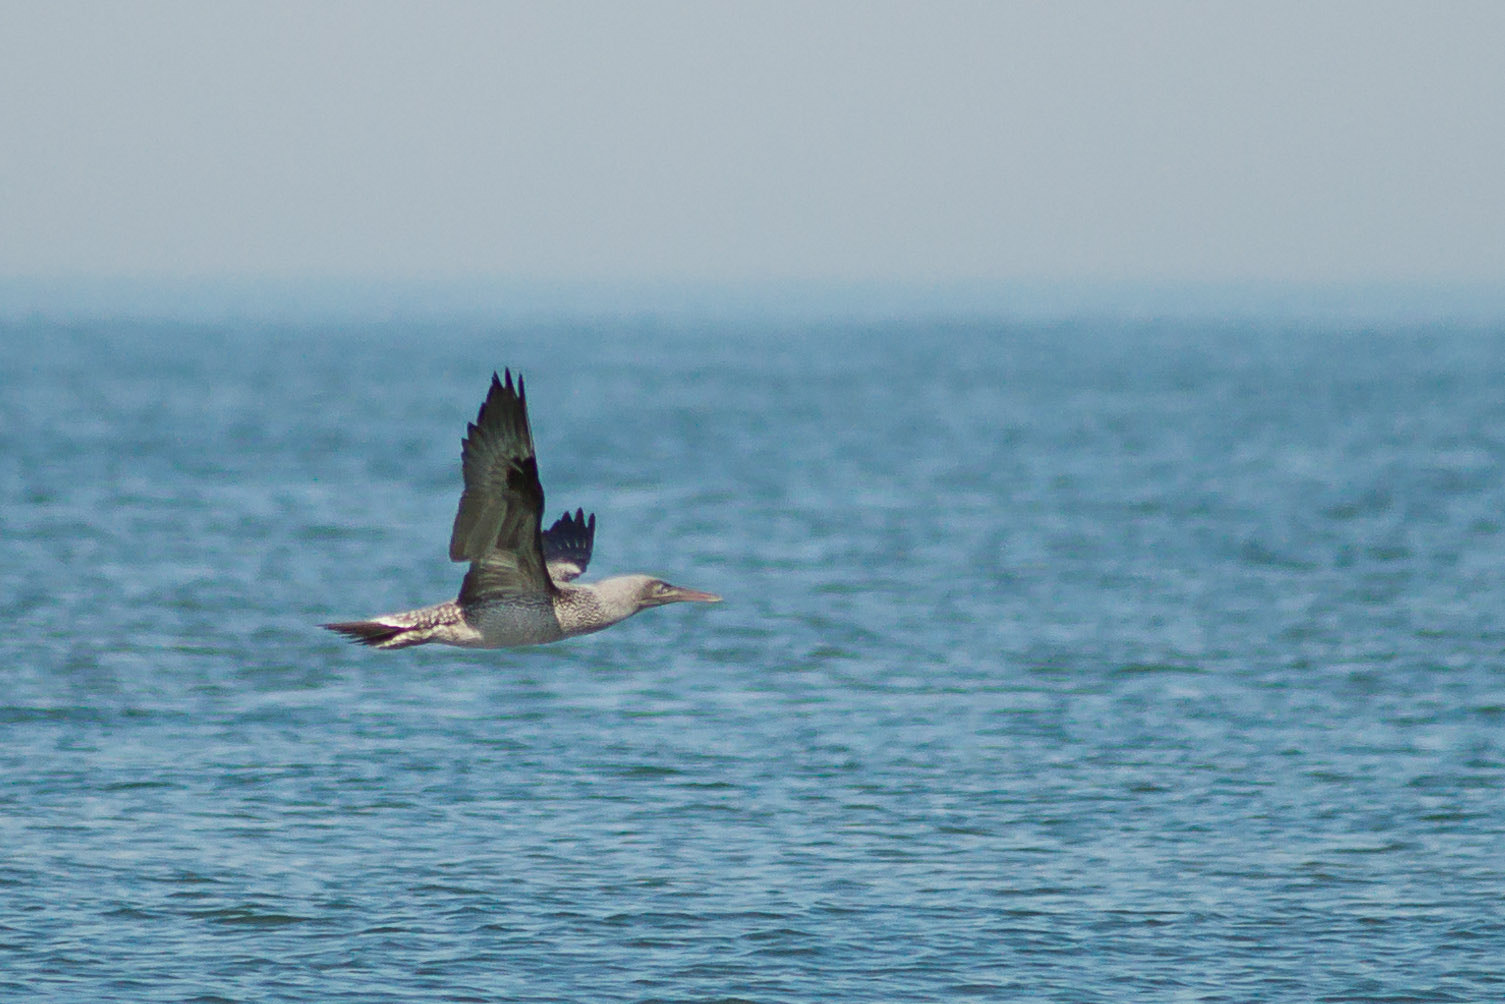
[1073, 659]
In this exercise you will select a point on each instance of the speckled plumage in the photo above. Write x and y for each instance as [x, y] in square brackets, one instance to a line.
[520, 588]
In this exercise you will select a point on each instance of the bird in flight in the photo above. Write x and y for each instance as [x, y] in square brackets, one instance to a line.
[521, 588]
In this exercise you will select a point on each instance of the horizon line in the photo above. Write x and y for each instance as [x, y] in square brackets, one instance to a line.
[363, 298]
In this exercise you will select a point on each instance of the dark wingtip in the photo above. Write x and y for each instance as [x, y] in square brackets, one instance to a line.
[576, 520]
[505, 382]
[499, 383]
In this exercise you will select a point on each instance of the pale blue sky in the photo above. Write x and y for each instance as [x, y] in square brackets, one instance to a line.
[755, 141]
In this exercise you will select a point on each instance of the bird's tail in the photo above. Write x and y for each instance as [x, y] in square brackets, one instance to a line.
[379, 635]
[403, 630]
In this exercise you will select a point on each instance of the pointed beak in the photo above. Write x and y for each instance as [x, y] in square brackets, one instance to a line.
[682, 595]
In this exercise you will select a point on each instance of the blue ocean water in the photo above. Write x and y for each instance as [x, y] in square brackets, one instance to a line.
[1079, 662]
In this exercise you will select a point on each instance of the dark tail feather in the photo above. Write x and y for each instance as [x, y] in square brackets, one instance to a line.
[378, 635]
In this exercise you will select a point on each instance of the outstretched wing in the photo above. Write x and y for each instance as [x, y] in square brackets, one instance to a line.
[497, 528]
[567, 545]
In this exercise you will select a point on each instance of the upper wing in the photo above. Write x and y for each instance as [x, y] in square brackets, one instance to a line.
[567, 545]
[497, 528]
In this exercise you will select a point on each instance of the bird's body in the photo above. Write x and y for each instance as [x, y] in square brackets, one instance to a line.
[521, 587]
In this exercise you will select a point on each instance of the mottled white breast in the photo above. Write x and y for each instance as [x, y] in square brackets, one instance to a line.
[505, 623]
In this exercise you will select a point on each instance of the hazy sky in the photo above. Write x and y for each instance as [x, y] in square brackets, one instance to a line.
[621, 141]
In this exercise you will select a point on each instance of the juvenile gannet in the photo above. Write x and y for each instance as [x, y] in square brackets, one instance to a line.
[521, 587]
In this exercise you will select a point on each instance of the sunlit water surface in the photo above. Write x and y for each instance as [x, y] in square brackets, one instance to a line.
[1062, 663]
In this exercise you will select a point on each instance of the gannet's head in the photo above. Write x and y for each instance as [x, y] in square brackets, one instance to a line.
[639, 592]
[657, 592]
